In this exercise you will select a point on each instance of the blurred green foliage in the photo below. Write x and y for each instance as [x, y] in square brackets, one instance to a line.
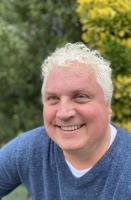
[19, 193]
[29, 31]
[106, 26]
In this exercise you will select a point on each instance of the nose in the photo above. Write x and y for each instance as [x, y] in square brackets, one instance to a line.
[65, 111]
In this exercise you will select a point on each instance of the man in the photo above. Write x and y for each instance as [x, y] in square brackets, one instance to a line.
[78, 154]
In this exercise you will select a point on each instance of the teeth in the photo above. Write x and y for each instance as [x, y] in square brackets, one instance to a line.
[70, 128]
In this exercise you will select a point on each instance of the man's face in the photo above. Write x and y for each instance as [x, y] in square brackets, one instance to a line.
[76, 116]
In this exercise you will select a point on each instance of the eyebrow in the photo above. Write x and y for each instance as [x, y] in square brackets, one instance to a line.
[73, 92]
[49, 92]
[79, 91]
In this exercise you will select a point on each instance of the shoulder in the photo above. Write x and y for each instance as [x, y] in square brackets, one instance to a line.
[124, 144]
[23, 146]
[126, 151]
[124, 134]
[29, 137]
[21, 155]
[33, 140]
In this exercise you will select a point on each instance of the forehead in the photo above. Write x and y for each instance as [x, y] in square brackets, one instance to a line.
[75, 77]
[71, 70]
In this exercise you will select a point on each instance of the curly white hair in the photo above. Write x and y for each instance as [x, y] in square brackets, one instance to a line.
[61, 57]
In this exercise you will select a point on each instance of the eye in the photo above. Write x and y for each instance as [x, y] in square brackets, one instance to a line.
[82, 98]
[52, 99]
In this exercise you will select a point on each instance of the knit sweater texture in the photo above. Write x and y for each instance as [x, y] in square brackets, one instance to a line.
[34, 160]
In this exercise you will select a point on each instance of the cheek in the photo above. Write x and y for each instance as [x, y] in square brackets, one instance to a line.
[95, 112]
[90, 111]
[48, 114]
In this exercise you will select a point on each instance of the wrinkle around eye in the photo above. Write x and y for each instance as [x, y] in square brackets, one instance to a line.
[82, 98]
[52, 99]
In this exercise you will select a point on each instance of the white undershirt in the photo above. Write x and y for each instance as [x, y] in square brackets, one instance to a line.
[78, 173]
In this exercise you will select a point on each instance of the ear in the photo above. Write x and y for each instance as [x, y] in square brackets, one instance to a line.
[110, 110]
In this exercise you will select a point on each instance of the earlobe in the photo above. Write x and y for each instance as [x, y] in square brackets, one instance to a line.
[110, 110]
[110, 113]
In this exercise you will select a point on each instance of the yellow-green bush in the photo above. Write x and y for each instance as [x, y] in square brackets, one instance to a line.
[102, 18]
[122, 101]
[106, 26]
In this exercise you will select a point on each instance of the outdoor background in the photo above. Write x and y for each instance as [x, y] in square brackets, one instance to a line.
[31, 29]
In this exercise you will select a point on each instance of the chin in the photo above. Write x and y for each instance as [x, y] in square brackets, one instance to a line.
[70, 147]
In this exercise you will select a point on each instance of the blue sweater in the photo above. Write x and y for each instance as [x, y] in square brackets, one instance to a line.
[34, 160]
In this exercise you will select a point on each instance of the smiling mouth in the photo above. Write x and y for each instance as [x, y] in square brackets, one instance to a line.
[70, 128]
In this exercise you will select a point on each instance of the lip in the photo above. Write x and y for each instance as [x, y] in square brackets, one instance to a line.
[70, 128]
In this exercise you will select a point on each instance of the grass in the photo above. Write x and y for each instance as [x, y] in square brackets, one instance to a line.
[19, 193]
